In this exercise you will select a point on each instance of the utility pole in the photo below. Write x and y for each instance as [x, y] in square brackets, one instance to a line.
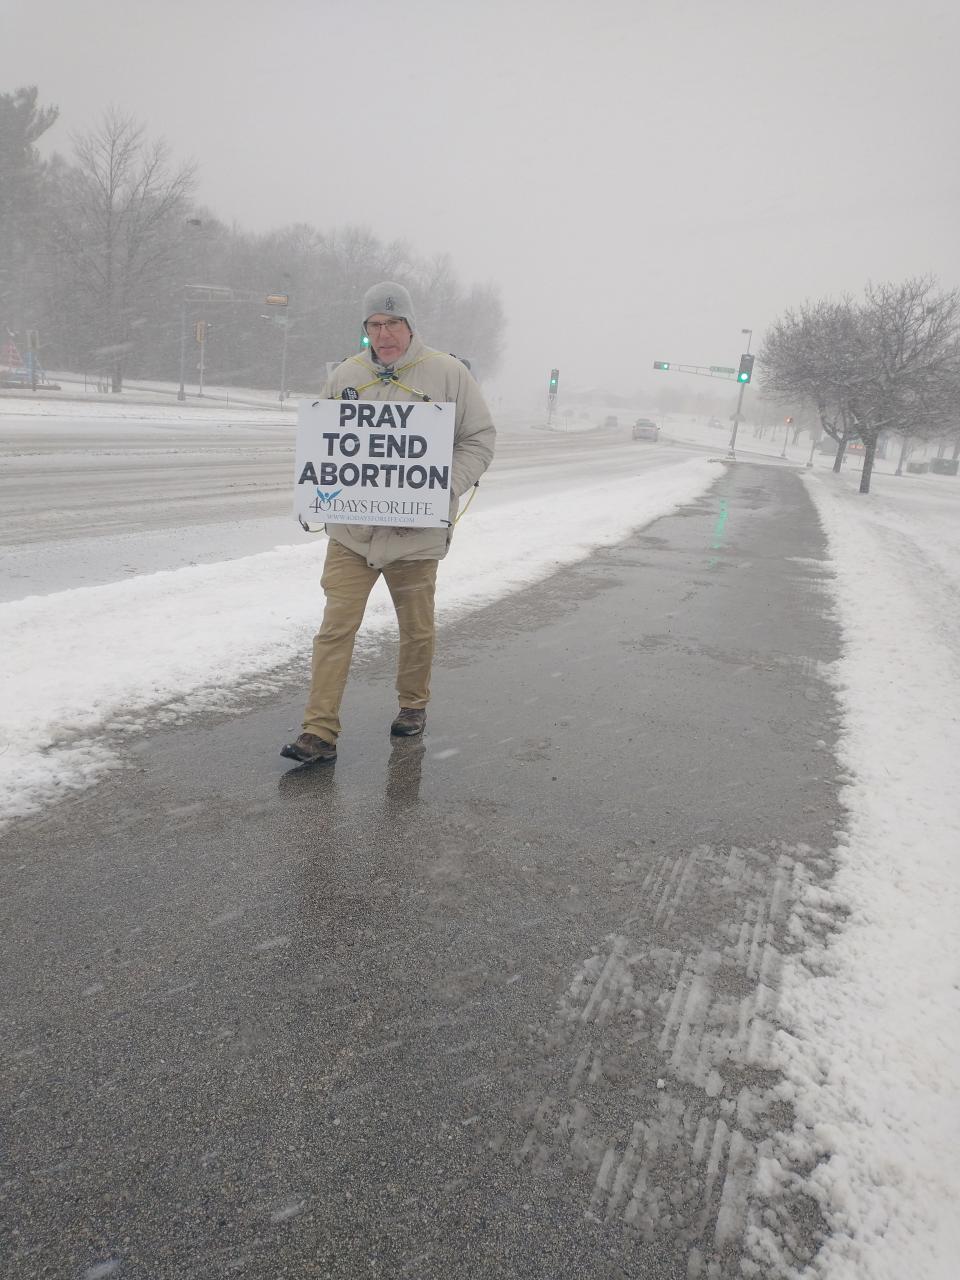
[195, 224]
[284, 316]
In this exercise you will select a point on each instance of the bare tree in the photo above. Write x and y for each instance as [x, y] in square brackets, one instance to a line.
[484, 324]
[119, 227]
[888, 364]
[909, 365]
[122, 239]
[807, 357]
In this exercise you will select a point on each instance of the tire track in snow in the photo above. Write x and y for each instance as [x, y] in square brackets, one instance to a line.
[659, 1081]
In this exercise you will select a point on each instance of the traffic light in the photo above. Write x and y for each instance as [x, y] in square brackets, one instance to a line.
[661, 364]
[364, 341]
[554, 381]
[745, 372]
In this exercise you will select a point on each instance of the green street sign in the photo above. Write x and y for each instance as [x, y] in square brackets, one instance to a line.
[721, 368]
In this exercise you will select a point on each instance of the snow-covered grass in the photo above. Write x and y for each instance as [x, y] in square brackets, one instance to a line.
[131, 407]
[79, 388]
[875, 1034]
[80, 663]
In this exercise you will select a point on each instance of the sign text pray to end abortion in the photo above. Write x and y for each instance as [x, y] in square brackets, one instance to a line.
[374, 462]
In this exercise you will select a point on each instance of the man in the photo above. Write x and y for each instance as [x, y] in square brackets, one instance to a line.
[398, 366]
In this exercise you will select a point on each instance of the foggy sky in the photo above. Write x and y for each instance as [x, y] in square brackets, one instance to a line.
[642, 180]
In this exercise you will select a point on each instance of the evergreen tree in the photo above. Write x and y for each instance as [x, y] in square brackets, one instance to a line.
[22, 123]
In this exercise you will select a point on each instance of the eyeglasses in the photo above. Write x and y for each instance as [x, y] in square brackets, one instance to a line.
[392, 325]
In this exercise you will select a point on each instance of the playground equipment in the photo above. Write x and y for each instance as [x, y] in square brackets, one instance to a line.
[17, 371]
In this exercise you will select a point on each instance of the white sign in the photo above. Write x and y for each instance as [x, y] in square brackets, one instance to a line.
[374, 462]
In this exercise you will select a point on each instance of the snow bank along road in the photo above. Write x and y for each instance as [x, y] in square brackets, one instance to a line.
[91, 500]
[117, 656]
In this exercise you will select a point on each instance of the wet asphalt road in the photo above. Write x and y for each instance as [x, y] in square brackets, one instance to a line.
[496, 1004]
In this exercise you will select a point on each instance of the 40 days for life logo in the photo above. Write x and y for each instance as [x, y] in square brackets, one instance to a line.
[374, 462]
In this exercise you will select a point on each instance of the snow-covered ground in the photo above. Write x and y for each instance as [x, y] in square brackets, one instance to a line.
[875, 1042]
[874, 1038]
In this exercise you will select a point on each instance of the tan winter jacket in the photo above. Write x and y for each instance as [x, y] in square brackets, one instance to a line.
[442, 377]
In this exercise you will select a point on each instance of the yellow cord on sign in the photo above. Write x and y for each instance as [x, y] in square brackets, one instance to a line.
[476, 486]
[394, 378]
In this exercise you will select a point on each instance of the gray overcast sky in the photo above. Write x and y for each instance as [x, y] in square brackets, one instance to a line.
[642, 180]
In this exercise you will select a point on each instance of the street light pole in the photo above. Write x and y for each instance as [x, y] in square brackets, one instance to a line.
[283, 359]
[195, 224]
[181, 394]
[285, 316]
[732, 451]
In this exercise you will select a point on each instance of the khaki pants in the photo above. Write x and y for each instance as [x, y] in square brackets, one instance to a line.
[347, 582]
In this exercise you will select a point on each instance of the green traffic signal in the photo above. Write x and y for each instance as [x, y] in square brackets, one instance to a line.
[661, 364]
[364, 341]
[745, 372]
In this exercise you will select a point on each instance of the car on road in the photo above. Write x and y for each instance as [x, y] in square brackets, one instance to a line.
[715, 423]
[611, 420]
[646, 429]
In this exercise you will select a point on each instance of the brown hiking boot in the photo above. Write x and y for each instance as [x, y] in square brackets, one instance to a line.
[309, 749]
[409, 722]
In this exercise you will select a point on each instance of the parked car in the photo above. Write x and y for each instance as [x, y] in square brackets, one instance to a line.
[646, 429]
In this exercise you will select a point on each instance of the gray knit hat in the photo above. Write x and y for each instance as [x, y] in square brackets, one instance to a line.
[388, 299]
